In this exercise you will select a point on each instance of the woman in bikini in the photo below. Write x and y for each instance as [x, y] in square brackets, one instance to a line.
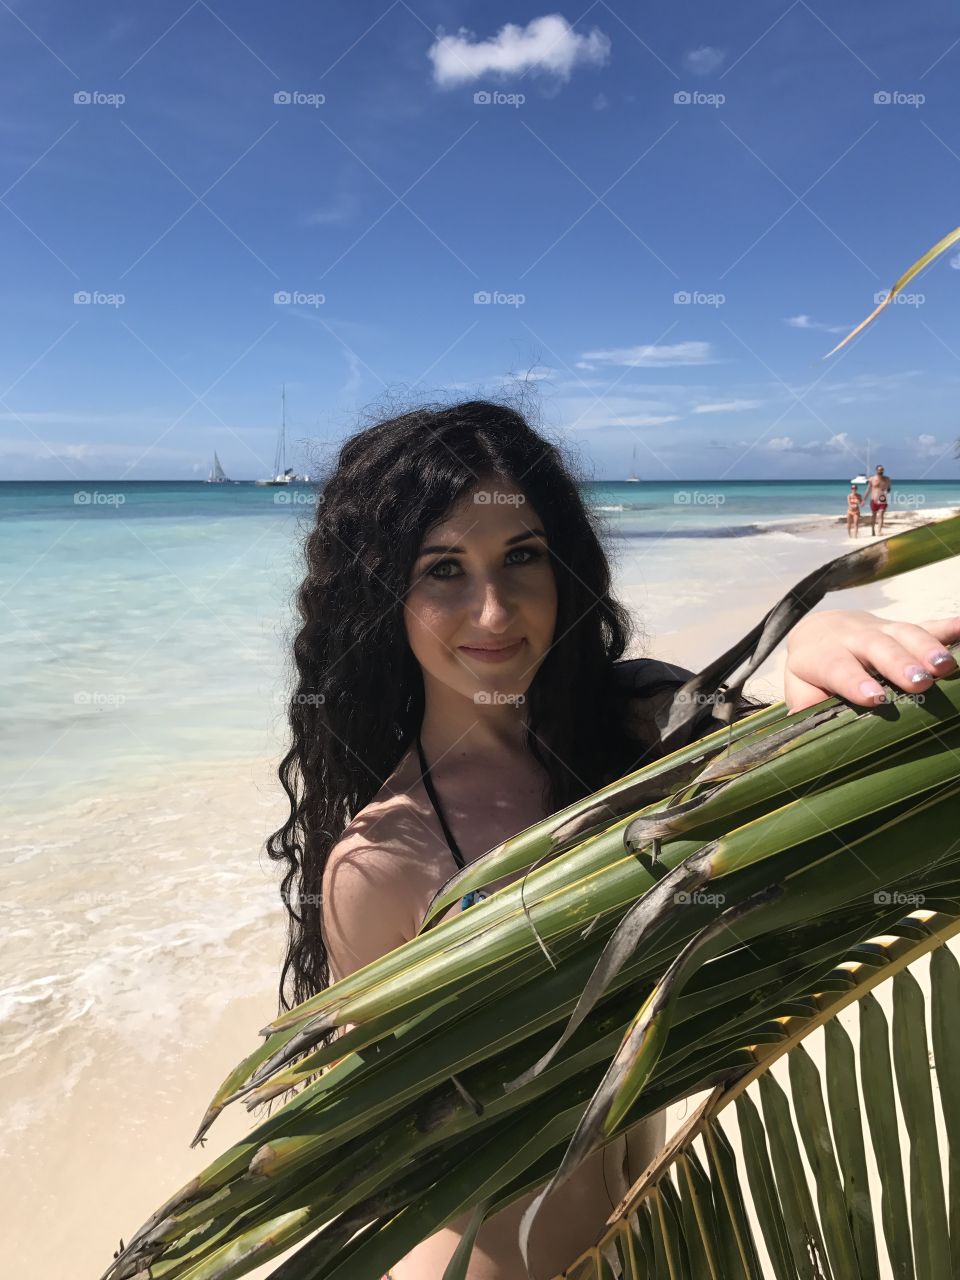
[459, 679]
[854, 503]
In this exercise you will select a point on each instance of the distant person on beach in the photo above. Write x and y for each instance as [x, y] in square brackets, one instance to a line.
[854, 503]
[879, 486]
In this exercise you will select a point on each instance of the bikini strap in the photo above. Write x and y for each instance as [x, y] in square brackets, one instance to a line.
[434, 800]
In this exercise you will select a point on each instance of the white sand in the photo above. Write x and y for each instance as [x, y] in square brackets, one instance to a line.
[99, 1115]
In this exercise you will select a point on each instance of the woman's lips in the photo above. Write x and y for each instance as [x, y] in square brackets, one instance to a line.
[492, 655]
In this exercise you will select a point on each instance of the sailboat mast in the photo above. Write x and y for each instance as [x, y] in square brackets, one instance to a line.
[283, 429]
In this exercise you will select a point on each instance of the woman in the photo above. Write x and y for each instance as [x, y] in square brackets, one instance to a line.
[457, 683]
[854, 505]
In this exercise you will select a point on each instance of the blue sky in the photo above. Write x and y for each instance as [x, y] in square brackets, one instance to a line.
[581, 197]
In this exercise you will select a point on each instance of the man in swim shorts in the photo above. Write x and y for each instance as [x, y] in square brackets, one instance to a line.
[879, 486]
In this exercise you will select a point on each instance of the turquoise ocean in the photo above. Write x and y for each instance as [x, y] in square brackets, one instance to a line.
[150, 622]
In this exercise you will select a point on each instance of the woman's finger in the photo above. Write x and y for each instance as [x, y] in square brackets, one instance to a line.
[924, 645]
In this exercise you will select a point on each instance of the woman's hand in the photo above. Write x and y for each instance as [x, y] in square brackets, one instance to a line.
[838, 651]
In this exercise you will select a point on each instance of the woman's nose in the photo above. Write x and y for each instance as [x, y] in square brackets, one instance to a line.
[494, 606]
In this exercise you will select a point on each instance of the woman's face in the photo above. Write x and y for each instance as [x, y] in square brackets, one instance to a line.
[483, 581]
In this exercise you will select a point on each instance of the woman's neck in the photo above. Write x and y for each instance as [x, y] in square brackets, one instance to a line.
[456, 729]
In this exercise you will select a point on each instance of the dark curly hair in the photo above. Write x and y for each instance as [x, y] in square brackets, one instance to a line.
[359, 694]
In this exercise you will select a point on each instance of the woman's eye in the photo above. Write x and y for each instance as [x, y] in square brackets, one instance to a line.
[438, 570]
[442, 564]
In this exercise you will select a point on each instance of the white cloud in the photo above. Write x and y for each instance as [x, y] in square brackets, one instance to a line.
[727, 406]
[928, 446]
[839, 443]
[548, 44]
[652, 357]
[955, 262]
[703, 60]
[600, 102]
[807, 322]
[780, 444]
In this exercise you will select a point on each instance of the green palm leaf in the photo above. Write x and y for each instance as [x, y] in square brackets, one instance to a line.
[818, 1214]
[668, 933]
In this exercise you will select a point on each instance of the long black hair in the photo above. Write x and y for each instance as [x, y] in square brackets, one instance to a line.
[359, 695]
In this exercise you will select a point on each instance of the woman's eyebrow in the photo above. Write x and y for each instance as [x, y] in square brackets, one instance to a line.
[517, 537]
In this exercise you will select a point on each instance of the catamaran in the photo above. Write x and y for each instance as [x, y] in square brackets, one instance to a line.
[218, 475]
[282, 474]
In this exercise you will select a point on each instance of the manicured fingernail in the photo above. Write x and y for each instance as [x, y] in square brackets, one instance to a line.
[916, 675]
[870, 689]
[938, 657]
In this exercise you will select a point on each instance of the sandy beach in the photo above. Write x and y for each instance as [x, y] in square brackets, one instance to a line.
[109, 1057]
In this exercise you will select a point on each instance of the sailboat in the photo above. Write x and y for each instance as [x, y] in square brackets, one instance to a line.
[633, 478]
[282, 474]
[218, 475]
